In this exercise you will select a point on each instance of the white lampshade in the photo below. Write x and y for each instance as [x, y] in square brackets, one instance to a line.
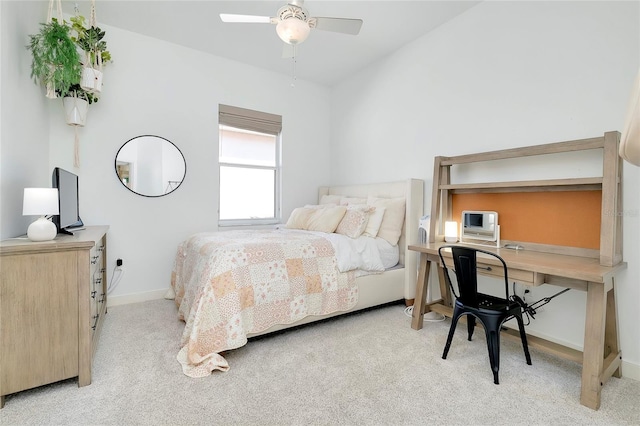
[293, 30]
[451, 231]
[40, 201]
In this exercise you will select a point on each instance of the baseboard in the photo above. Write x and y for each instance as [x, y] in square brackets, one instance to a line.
[630, 370]
[136, 297]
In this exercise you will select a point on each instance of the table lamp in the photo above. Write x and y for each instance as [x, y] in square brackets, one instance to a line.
[41, 201]
[450, 231]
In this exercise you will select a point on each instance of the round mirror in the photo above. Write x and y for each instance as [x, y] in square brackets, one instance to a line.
[150, 165]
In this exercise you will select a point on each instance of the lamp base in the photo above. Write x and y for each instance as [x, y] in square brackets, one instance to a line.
[42, 230]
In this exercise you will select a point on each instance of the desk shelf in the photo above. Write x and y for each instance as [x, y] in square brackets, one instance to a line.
[609, 185]
[573, 184]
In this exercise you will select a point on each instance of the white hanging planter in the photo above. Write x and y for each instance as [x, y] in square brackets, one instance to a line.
[91, 80]
[75, 110]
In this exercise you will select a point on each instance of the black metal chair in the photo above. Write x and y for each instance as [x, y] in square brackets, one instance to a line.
[490, 310]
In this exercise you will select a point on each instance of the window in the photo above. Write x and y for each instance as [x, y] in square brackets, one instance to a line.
[249, 159]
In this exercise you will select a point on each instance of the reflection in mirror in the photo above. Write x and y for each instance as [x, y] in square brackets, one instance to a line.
[150, 165]
[479, 225]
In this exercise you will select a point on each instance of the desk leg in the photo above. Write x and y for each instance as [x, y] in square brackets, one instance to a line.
[445, 291]
[421, 292]
[611, 336]
[600, 330]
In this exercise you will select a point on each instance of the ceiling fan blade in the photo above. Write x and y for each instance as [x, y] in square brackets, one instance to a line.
[247, 19]
[339, 25]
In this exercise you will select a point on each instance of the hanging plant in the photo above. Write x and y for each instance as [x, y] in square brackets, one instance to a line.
[56, 62]
[91, 41]
[76, 102]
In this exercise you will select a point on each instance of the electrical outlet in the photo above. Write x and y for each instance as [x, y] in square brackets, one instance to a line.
[119, 262]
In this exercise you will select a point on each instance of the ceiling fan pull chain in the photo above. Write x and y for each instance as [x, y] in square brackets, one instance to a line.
[295, 61]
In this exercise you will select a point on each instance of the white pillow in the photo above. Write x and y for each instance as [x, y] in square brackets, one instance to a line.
[374, 222]
[391, 226]
[354, 221]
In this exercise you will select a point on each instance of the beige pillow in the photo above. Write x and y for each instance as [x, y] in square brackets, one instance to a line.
[299, 218]
[319, 206]
[330, 199]
[324, 219]
[348, 201]
[374, 222]
[391, 226]
[327, 219]
[354, 221]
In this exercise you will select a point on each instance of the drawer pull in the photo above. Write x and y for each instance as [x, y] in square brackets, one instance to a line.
[95, 323]
[488, 268]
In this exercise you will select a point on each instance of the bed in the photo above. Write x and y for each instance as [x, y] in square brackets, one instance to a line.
[230, 286]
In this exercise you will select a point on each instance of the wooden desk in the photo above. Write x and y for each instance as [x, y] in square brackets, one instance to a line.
[601, 356]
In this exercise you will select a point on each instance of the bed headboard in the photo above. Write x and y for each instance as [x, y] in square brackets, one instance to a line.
[413, 192]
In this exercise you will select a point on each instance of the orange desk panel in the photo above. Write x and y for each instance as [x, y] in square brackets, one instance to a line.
[570, 218]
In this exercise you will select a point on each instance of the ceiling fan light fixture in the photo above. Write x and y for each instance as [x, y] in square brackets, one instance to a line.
[293, 30]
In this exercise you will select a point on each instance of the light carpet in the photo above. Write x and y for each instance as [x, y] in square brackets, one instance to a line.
[367, 368]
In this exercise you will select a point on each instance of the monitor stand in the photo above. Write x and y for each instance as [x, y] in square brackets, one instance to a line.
[77, 226]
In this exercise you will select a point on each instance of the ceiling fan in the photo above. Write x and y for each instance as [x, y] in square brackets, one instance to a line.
[293, 22]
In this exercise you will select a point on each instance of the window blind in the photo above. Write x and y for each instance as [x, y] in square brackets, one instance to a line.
[249, 119]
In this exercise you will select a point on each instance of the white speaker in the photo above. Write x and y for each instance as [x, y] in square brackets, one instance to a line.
[423, 229]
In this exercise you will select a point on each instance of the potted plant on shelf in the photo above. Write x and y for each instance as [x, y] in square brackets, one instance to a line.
[56, 62]
[91, 41]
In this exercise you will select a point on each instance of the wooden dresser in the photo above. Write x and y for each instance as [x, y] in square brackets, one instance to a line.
[53, 300]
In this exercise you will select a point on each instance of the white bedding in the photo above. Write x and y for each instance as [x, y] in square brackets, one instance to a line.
[362, 253]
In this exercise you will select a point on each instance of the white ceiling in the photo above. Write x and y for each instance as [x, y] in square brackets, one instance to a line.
[324, 58]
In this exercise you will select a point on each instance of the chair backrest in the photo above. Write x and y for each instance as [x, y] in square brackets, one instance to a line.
[465, 264]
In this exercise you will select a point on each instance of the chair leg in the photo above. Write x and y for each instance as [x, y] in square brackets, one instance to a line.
[452, 329]
[492, 331]
[523, 337]
[493, 344]
[471, 325]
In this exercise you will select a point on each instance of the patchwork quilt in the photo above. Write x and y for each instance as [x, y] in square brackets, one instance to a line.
[229, 284]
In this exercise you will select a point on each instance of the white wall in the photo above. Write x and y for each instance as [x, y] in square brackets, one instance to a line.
[158, 88]
[504, 74]
[24, 122]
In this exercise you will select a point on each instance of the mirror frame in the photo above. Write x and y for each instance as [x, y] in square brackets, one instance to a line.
[184, 160]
